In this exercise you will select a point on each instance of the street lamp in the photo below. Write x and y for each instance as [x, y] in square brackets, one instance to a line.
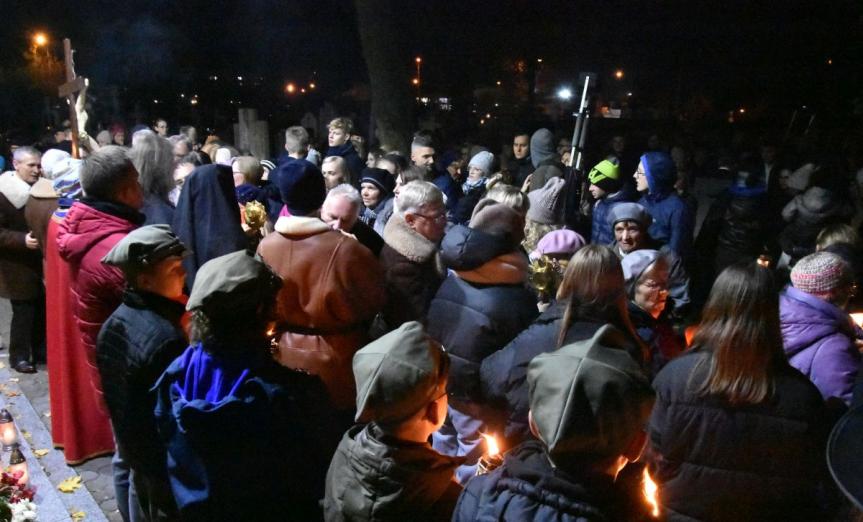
[565, 93]
[40, 39]
[618, 74]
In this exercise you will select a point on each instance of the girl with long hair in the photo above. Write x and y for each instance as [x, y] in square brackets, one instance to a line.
[735, 432]
[590, 296]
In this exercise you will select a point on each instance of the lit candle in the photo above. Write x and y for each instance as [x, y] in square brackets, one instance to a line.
[651, 493]
[18, 464]
[492, 458]
[8, 433]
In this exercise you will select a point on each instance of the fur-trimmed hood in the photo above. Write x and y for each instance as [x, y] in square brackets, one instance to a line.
[294, 226]
[14, 188]
[407, 242]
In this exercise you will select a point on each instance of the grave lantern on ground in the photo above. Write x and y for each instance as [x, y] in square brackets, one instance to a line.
[8, 433]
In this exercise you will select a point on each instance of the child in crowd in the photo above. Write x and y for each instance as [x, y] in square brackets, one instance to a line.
[386, 469]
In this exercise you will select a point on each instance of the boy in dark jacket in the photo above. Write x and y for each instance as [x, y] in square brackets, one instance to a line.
[386, 469]
[589, 404]
[134, 347]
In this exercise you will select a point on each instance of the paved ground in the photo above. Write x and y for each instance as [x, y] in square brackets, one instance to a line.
[96, 473]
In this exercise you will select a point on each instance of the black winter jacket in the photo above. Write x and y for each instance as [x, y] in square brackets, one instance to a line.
[137, 342]
[527, 487]
[735, 229]
[719, 462]
[503, 375]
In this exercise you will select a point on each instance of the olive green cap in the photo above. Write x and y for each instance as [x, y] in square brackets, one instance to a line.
[232, 282]
[590, 398]
[145, 247]
[398, 374]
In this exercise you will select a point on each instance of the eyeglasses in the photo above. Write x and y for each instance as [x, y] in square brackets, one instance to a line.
[440, 218]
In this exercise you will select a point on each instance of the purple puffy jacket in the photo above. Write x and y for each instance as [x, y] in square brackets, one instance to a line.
[819, 341]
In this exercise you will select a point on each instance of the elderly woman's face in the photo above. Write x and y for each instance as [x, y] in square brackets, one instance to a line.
[628, 235]
[651, 291]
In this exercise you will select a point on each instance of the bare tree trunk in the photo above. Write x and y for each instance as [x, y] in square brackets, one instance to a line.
[388, 63]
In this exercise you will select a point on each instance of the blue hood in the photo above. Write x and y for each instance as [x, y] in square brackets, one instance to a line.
[661, 172]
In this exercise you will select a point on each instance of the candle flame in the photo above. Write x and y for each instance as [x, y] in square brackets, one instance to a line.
[490, 444]
[858, 319]
[651, 493]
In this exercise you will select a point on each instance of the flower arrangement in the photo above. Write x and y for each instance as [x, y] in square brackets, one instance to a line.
[16, 499]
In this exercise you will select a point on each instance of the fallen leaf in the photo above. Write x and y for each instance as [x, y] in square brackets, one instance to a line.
[11, 393]
[41, 452]
[27, 436]
[70, 484]
[77, 516]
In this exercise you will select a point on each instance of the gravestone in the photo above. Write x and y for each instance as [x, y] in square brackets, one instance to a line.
[252, 134]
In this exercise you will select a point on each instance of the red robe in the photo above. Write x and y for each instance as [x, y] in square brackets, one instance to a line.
[79, 423]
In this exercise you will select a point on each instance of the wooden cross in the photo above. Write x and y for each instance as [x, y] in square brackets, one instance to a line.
[69, 90]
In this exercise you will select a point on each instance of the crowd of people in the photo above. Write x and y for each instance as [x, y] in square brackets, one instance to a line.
[336, 334]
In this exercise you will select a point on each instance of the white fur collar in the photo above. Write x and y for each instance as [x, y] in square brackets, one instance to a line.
[14, 188]
[300, 226]
[406, 241]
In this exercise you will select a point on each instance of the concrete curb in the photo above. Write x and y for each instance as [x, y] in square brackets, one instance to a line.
[46, 472]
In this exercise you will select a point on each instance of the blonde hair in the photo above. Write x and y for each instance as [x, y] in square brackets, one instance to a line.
[342, 123]
[510, 196]
[838, 233]
[251, 169]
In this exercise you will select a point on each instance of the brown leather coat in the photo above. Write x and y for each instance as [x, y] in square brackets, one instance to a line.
[332, 289]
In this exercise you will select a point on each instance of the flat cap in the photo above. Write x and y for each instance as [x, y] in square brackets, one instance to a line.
[398, 374]
[144, 247]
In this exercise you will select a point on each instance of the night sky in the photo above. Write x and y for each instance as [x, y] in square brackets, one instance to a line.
[735, 52]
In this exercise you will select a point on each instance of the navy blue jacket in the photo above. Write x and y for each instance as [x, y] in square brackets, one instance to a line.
[673, 221]
[137, 342]
[450, 188]
[246, 437]
[474, 320]
[714, 461]
[158, 211]
[527, 487]
[355, 164]
[601, 232]
[503, 375]
[207, 219]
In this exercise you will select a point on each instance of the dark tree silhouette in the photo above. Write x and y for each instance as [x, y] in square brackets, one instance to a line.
[388, 62]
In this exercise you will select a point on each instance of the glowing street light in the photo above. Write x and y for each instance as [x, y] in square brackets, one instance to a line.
[618, 74]
[418, 60]
[312, 85]
[415, 81]
[565, 93]
[290, 88]
[40, 39]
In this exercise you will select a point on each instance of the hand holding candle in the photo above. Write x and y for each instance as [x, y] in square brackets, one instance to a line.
[492, 458]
